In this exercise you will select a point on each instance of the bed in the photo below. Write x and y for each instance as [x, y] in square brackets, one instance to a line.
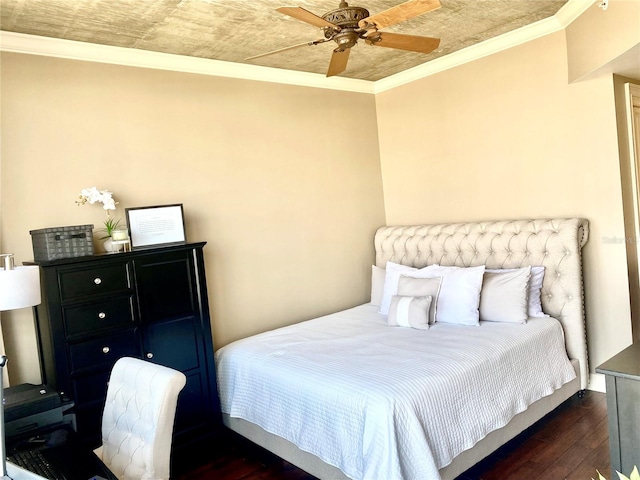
[349, 395]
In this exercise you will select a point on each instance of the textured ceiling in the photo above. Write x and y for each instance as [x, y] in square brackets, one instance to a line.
[232, 30]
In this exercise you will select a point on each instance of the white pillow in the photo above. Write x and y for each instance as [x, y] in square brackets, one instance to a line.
[535, 287]
[420, 287]
[377, 285]
[504, 296]
[392, 275]
[409, 312]
[459, 298]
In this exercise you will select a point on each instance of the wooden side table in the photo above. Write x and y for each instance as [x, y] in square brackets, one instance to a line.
[622, 375]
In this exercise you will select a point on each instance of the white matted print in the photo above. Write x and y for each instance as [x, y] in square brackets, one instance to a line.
[155, 225]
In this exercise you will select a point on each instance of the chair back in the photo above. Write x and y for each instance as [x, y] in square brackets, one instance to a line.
[138, 418]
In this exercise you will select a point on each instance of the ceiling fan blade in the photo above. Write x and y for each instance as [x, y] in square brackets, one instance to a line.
[399, 13]
[338, 62]
[411, 43]
[287, 48]
[306, 16]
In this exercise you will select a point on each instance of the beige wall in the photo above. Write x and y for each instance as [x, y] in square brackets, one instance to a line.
[507, 137]
[286, 197]
[598, 36]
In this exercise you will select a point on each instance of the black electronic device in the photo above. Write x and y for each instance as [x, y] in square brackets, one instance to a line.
[30, 408]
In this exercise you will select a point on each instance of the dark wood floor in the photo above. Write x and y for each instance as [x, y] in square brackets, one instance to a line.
[570, 443]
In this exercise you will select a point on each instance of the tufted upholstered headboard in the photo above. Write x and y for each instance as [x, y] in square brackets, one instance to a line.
[555, 244]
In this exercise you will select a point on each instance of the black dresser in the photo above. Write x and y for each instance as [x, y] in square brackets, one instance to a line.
[149, 304]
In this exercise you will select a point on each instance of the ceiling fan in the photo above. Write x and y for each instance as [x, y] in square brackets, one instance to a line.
[345, 25]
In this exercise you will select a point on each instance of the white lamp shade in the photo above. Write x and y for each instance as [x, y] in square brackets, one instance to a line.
[19, 287]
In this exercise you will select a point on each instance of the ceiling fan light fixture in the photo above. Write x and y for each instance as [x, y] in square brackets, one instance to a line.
[346, 39]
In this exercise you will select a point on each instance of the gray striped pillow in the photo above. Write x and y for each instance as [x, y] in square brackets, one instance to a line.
[410, 312]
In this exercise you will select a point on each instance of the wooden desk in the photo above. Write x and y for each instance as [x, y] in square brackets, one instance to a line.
[622, 375]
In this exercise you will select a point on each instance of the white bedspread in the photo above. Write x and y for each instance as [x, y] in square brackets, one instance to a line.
[386, 403]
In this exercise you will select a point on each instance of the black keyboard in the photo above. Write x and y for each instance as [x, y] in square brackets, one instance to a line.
[34, 461]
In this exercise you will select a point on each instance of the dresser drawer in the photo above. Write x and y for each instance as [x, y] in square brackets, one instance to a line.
[90, 389]
[101, 353]
[94, 281]
[91, 317]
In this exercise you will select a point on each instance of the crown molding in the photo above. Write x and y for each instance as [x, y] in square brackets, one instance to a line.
[90, 52]
[567, 14]
[572, 10]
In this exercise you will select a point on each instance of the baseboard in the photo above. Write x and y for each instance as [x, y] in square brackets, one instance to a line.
[597, 383]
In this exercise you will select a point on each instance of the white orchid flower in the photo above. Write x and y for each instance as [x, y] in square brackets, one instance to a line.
[93, 195]
[109, 204]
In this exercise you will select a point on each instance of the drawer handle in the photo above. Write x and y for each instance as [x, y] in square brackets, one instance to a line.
[97, 280]
[149, 355]
[106, 349]
[102, 315]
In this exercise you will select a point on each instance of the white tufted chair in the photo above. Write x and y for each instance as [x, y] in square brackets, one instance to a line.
[137, 423]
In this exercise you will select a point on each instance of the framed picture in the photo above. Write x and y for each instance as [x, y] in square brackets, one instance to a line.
[155, 225]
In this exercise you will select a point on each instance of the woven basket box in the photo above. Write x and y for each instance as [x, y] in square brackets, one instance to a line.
[62, 242]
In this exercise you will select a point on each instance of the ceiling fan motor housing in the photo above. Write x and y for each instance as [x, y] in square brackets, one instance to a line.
[347, 19]
[346, 16]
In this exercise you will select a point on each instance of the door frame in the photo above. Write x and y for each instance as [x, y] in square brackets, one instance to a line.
[628, 102]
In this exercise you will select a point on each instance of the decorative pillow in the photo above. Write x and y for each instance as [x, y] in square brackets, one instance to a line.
[392, 275]
[421, 287]
[504, 296]
[377, 285]
[459, 298]
[535, 287]
[409, 312]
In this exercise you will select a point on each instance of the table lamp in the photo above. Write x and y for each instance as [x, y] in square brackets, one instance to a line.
[19, 288]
